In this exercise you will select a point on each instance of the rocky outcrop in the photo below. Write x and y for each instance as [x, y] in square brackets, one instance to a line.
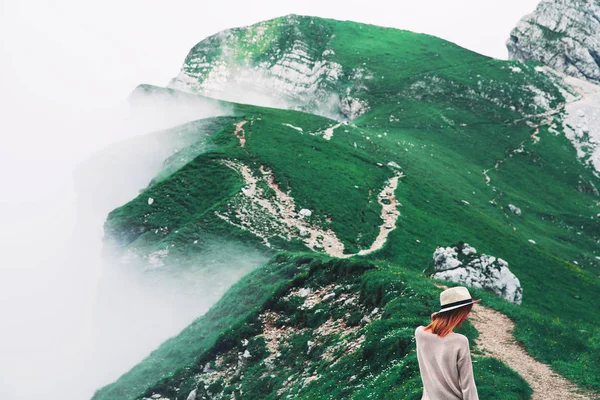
[463, 265]
[249, 65]
[581, 121]
[563, 34]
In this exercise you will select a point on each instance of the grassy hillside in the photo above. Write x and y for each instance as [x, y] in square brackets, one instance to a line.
[272, 336]
[471, 135]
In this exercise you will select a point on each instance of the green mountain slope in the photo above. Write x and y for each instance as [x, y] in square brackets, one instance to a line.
[278, 338]
[456, 136]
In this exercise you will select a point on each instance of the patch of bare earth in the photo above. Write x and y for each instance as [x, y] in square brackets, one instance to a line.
[496, 340]
[335, 337]
[347, 339]
[389, 213]
[240, 133]
[273, 213]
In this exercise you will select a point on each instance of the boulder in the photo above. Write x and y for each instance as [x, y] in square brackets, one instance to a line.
[462, 264]
[515, 210]
[305, 212]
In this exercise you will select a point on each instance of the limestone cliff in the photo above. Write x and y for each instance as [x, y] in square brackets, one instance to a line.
[563, 34]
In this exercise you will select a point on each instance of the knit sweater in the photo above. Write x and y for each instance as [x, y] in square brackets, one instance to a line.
[445, 366]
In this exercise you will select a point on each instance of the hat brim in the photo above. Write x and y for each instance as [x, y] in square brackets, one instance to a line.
[458, 306]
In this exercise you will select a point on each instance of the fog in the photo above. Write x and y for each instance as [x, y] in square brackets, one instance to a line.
[71, 324]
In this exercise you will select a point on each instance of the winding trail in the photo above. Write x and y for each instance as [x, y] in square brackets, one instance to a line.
[389, 214]
[276, 215]
[240, 133]
[496, 340]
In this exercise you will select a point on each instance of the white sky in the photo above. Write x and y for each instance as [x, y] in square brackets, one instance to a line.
[66, 69]
[78, 57]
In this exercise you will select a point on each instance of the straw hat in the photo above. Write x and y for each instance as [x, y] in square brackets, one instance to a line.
[455, 297]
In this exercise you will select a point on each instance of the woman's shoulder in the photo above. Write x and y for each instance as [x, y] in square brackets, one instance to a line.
[461, 338]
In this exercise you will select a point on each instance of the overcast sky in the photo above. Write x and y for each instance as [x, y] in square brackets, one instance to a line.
[66, 69]
[61, 58]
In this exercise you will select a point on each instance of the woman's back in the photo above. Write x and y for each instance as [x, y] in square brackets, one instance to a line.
[445, 366]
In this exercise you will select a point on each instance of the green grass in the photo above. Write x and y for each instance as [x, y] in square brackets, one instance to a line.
[387, 356]
[444, 114]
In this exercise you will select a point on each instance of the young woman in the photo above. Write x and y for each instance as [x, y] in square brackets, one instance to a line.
[444, 357]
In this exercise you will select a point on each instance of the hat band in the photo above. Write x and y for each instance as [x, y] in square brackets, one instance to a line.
[456, 303]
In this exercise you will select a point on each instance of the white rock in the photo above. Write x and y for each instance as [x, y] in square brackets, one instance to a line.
[293, 78]
[482, 272]
[305, 212]
[514, 209]
[150, 200]
[466, 250]
[328, 297]
[304, 232]
[531, 241]
[192, 395]
[350, 301]
[445, 258]
[564, 35]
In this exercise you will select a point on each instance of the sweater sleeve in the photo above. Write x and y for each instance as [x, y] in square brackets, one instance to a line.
[465, 371]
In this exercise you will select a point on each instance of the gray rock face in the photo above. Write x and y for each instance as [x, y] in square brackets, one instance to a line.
[462, 264]
[563, 34]
[292, 74]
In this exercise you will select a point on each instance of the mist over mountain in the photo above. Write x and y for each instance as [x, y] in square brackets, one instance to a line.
[320, 177]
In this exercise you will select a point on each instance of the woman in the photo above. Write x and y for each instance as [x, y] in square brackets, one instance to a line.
[444, 358]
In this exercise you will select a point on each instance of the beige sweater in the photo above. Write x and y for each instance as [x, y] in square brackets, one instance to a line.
[445, 365]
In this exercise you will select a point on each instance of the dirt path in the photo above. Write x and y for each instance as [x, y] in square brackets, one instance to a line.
[328, 134]
[389, 214]
[240, 133]
[496, 340]
[277, 215]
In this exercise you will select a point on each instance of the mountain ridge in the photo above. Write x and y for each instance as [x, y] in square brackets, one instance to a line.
[471, 136]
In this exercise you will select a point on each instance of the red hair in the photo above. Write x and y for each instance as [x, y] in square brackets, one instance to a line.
[443, 323]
